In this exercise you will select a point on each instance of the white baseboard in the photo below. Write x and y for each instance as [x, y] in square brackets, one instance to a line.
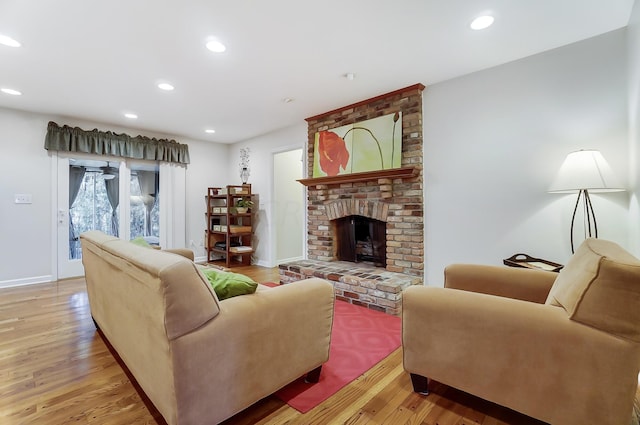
[203, 260]
[261, 264]
[25, 281]
[289, 260]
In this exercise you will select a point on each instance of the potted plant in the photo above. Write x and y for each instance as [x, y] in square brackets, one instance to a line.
[243, 205]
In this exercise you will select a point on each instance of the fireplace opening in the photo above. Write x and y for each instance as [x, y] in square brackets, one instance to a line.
[361, 239]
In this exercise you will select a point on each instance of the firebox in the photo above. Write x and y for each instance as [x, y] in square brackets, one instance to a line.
[361, 239]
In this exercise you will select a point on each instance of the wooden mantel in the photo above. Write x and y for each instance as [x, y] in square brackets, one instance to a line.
[392, 173]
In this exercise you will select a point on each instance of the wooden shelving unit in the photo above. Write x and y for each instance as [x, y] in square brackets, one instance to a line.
[229, 233]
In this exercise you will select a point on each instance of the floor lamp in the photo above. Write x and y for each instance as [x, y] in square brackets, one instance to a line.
[585, 171]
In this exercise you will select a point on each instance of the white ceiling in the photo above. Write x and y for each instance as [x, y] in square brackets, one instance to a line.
[95, 60]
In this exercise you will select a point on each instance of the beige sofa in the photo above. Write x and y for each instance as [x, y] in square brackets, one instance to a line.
[198, 359]
[563, 348]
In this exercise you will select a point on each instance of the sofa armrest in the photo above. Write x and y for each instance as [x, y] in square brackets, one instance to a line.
[527, 356]
[256, 345]
[519, 283]
[187, 253]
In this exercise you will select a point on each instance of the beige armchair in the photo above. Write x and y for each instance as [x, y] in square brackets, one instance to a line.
[563, 348]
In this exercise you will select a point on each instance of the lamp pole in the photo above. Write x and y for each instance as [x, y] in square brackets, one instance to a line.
[589, 216]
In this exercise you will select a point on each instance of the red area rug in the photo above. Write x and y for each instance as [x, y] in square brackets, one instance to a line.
[360, 338]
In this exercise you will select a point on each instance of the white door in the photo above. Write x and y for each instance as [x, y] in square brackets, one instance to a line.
[88, 197]
[118, 197]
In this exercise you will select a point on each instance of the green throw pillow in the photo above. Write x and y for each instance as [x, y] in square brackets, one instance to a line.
[140, 242]
[228, 284]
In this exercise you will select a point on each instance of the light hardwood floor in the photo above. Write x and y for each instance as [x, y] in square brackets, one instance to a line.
[55, 368]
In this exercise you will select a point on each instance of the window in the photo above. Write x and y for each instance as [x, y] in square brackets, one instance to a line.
[94, 194]
[92, 208]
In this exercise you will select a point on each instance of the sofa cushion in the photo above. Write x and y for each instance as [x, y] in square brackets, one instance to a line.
[171, 283]
[600, 287]
[229, 284]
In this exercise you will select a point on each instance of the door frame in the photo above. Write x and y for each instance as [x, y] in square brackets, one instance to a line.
[273, 237]
[60, 210]
[172, 193]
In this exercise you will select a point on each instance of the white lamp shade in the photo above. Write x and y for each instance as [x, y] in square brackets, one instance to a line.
[585, 169]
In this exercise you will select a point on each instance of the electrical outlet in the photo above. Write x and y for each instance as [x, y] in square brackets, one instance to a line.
[22, 198]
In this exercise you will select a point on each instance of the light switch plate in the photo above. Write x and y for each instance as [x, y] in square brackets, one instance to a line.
[23, 198]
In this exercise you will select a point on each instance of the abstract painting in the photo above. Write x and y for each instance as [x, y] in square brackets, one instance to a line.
[370, 145]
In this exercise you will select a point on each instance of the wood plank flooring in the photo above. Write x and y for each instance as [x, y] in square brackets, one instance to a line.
[55, 368]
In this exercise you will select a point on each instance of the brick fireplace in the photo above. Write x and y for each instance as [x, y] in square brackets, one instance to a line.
[398, 201]
[392, 196]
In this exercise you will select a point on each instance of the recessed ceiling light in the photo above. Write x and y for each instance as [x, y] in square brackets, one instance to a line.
[482, 22]
[216, 46]
[288, 99]
[10, 91]
[8, 41]
[131, 116]
[165, 86]
[210, 131]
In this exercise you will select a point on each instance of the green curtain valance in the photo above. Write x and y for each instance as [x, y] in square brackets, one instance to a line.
[68, 139]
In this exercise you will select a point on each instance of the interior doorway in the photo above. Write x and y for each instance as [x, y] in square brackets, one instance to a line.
[288, 195]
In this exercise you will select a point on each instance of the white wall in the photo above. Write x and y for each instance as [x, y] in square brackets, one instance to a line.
[495, 139]
[26, 251]
[261, 163]
[209, 167]
[25, 230]
[633, 32]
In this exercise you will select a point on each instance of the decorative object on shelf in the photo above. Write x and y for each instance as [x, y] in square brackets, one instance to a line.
[245, 171]
[585, 171]
[243, 205]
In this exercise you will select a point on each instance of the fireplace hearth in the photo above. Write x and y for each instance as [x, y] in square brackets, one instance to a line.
[360, 284]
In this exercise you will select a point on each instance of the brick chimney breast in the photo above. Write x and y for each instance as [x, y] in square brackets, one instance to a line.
[397, 201]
